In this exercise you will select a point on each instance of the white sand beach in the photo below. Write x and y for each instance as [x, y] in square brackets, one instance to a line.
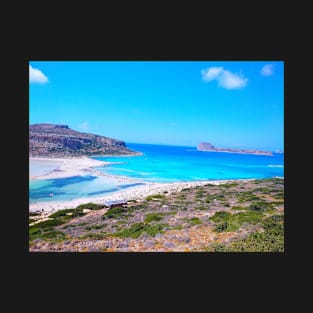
[67, 167]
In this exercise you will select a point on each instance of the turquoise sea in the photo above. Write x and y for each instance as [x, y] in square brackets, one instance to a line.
[159, 163]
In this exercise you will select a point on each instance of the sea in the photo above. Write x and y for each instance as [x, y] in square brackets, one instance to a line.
[158, 163]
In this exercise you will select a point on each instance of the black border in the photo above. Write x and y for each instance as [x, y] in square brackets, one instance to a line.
[265, 40]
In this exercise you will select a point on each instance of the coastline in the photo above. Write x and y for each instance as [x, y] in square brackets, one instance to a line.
[131, 193]
[68, 167]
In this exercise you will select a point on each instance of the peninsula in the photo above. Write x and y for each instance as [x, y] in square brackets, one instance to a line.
[206, 146]
[53, 140]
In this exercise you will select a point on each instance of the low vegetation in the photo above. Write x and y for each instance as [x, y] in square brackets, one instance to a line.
[157, 196]
[115, 212]
[237, 216]
[270, 240]
[226, 222]
[45, 230]
[153, 217]
[139, 228]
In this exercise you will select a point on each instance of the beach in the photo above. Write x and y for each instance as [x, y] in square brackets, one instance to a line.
[131, 193]
[68, 167]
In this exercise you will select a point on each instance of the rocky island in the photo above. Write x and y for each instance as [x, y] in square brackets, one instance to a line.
[206, 146]
[52, 140]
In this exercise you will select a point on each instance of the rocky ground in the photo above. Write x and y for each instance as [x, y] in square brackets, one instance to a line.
[236, 216]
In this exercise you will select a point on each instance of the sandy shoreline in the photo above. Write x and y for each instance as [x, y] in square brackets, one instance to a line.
[68, 167]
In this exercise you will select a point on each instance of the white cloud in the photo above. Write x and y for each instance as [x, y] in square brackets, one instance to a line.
[84, 126]
[211, 73]
[224, 78]
[230, 80]
[267, 70]
[37, 76]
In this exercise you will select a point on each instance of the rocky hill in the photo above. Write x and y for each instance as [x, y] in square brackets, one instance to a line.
[51, 140]
[206, 146]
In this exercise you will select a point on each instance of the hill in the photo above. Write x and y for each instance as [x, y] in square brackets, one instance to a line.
[52, 140]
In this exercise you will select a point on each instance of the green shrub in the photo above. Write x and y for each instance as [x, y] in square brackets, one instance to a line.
[157, 196]
[74, 213]
[138, 228]
[263, 189]
[271, 240]
[278, 203]
[220, 216]
[261, 206]
[61, 213]
[201, 208]
[210, 198]
[247, 196]
[153, 217]
[221, 227]
[45, 233]
[95, 236]
[115, 212]
[238, 208]
[94, 227]
[195, 221]
[232, 222]
[78, 211]
[178, 227]
[90, 206]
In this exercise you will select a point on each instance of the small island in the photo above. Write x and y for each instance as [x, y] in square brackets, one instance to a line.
[206, 146]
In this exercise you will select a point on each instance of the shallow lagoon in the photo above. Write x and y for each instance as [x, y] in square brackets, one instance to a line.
[157, 164]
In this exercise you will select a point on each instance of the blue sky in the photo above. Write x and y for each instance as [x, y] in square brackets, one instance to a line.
[229, 104]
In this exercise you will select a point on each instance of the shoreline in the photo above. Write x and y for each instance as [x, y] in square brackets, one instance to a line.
[131, 193]
[68, 167]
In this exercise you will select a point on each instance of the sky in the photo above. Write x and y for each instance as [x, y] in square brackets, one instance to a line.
[231, 104]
